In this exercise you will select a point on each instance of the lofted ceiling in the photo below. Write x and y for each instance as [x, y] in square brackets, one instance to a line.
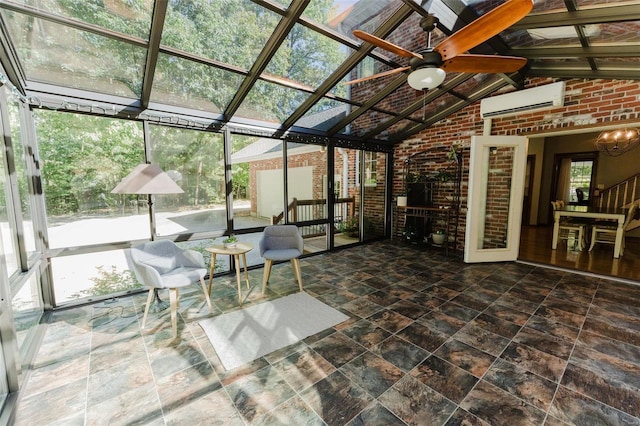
[279, 67]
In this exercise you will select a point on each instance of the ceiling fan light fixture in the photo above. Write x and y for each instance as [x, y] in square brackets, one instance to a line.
[426, 78]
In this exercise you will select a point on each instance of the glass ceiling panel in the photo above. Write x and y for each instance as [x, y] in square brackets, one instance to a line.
[52, 53]
[552, 36]
[307, 57]
[229, 31]
[432, 108]
[131, 17]
[475, 83]
[345, 15]
[398, 127]
[189, 84]
[617, 32]
[270, 102]
[360, 92]
[365, 122]
[324, 114]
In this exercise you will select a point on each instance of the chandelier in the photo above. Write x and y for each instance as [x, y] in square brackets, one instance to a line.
[617, 142]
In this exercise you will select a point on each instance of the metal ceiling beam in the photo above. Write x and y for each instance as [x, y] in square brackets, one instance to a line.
[155, 35]
[608, 51]
[383, 30]
[273, 44]
[429, 97]
[73, 23]
[597, 15]
[9, 59]
[560, 72]
[584, 41]
[491, 88]
[380, 95]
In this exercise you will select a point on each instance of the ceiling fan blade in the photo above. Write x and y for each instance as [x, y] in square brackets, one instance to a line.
[390, 47]
[483, 28]
[483, 63]
[380, 74]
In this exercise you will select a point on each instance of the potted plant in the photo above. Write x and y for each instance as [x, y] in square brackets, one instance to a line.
[230, 241]
[350, 226]
[438, 237]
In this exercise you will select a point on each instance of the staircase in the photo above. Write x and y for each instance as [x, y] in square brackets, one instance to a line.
[622, 194]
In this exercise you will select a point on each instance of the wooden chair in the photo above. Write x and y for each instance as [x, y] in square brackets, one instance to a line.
[605, 231]
[569, 230]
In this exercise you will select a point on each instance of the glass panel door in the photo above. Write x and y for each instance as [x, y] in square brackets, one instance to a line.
[346, 196]
[374, 189]
[496, 188]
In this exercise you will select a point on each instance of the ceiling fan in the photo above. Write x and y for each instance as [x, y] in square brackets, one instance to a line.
[429, 66]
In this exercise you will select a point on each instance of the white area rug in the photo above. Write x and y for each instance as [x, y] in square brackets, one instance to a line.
[247, 334]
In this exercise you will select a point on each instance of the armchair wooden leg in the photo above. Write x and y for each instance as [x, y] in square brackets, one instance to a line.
[173, 298]
[206, 295]
[146, 308]
[296, 269]
[267, 272]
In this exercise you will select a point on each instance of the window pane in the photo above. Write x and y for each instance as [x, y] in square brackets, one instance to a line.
[83, 159]
[186, 83]
[374, 194]
[195, 160]
[211, 29]
[8, 243]
[346, 190]
[91, 275]
[257, 190]
[53, 53]
[271, 102]
[23, 177]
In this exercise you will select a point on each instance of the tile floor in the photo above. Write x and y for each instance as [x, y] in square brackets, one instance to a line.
[431, 341]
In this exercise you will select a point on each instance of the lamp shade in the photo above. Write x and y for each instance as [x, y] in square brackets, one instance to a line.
[147, 179]
[427, 77]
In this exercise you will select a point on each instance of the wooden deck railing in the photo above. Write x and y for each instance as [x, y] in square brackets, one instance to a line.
[301, 211]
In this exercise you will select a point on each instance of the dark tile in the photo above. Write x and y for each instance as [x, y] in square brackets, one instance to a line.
[292, 412]
[372, 373]
[362, 307]
[464, 418]
[186, 385]
[425, 300]
[514, 302]
[366, 333]
[255, 394]
[525, 385]
[609, 347]
[563, 311]
[336, 399]
[606, 327]
[538, 362]
[382, 298]
[496, 325]
[543, 342]
[303, 369]
[463, 313]
[464, 356]
[376, 415]
[576, 409]
[417, 404]
[597, 382]
[444, 377]
[423, 336]
[400, 353]
[469, 301]
[441, 292]
[338, 349]
[497, 407]
[482, 339]
[389, 320]
[409, 309]
[553, 328]
[441, 322]
[506, 313]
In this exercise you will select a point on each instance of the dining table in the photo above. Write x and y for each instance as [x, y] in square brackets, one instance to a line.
[595, 213]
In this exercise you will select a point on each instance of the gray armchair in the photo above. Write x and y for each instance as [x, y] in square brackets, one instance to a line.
[164, 265]
[278, 243]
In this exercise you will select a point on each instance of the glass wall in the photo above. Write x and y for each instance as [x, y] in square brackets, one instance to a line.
[307, 193]
[374, 194]
[195, 161]
[346, 175]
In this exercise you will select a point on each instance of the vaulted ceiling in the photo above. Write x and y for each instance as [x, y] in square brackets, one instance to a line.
[280, 66]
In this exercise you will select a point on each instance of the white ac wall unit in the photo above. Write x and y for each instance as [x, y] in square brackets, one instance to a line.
[541, 97]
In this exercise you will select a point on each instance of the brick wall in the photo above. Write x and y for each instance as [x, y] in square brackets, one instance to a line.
[588, 104]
